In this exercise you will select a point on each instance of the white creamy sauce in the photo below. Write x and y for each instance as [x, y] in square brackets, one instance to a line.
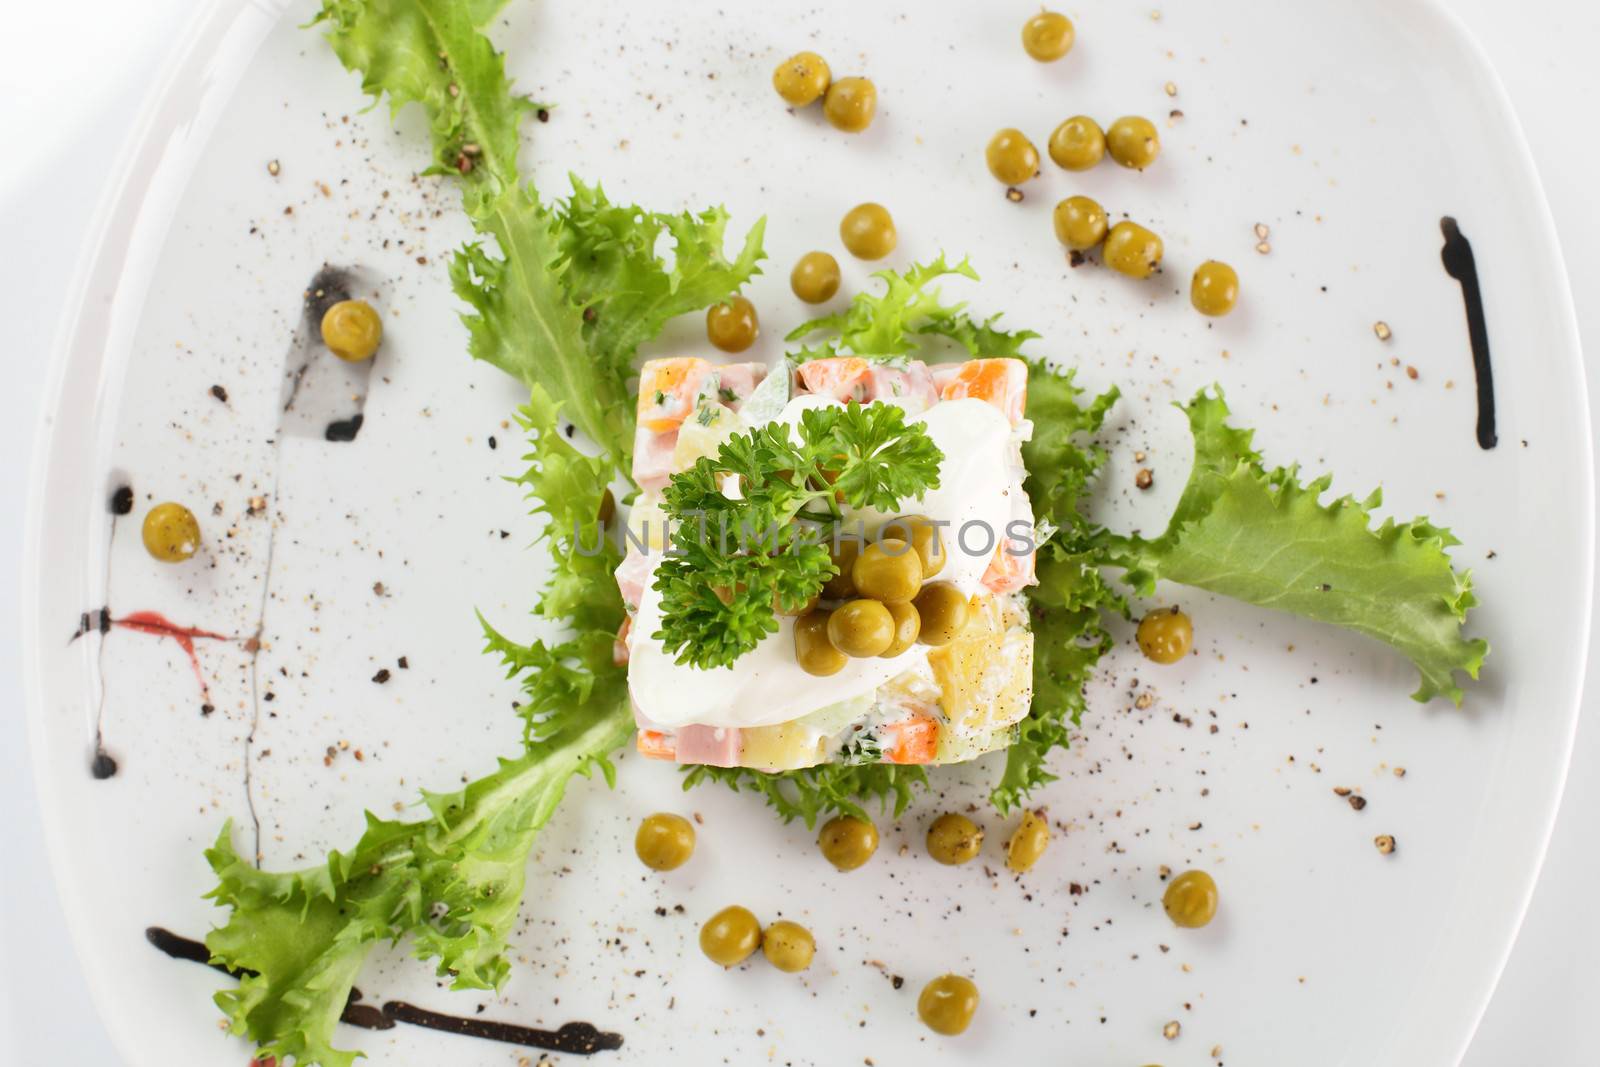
[979, 482]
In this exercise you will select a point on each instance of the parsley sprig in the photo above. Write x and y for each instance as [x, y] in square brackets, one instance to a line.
[750, 528]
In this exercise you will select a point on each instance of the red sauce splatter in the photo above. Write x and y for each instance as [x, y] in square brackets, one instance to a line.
[158, 625]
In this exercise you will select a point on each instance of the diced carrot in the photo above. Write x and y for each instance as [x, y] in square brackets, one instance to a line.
[915, 740]
[841, 377]
[1007, 571]
[670, 389]
[1000, 382]
[653, 744]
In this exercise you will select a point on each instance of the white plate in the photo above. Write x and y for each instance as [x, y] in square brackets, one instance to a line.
[1348, 132]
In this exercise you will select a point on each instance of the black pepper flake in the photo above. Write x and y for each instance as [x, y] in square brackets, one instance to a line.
[543, 114]
[1076, 259]
[122, 500]
[382, 675]
[493, 444]
[404, 663]
[207, 709]
[1357, 801]
[896, 980]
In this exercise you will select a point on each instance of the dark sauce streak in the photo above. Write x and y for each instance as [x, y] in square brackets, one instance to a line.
[101, 764]
[344, 429]
[98, 621]
[573, 1039]
[367, 1017]
[1461, 265]
[183, 948]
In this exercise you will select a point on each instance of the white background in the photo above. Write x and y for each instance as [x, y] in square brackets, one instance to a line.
[72, 90]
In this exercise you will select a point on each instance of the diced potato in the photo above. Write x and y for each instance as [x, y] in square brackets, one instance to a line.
[985, 675]
[647, 525]
[803, 742]
[702, 434]
[959, 748]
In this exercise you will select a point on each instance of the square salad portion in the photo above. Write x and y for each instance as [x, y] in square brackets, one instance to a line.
[917, 649]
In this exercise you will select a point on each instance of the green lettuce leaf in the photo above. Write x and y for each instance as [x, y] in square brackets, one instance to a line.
[1263, 536]
[561, 294]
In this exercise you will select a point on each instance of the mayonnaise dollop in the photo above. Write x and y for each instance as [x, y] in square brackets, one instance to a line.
[979, 491]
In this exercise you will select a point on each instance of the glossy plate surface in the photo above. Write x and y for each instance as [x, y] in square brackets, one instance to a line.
[1345, 133]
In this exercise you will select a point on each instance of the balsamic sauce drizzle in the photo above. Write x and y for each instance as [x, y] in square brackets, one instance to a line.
[341, 430]
[572, 1039]
[1460, 264]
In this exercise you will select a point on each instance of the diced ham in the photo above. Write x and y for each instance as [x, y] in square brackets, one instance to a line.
[910, 386]
[632, 574]
[652, 456]
[737, 381]
[717, 746]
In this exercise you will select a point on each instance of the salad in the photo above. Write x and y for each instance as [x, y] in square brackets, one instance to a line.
[864, 632]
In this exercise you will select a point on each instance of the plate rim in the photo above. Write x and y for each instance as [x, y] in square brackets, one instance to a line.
[1528, 171]
[138, 163]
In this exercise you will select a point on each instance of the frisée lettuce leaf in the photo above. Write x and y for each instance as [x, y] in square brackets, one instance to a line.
[1263, 536]
[888, 326]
